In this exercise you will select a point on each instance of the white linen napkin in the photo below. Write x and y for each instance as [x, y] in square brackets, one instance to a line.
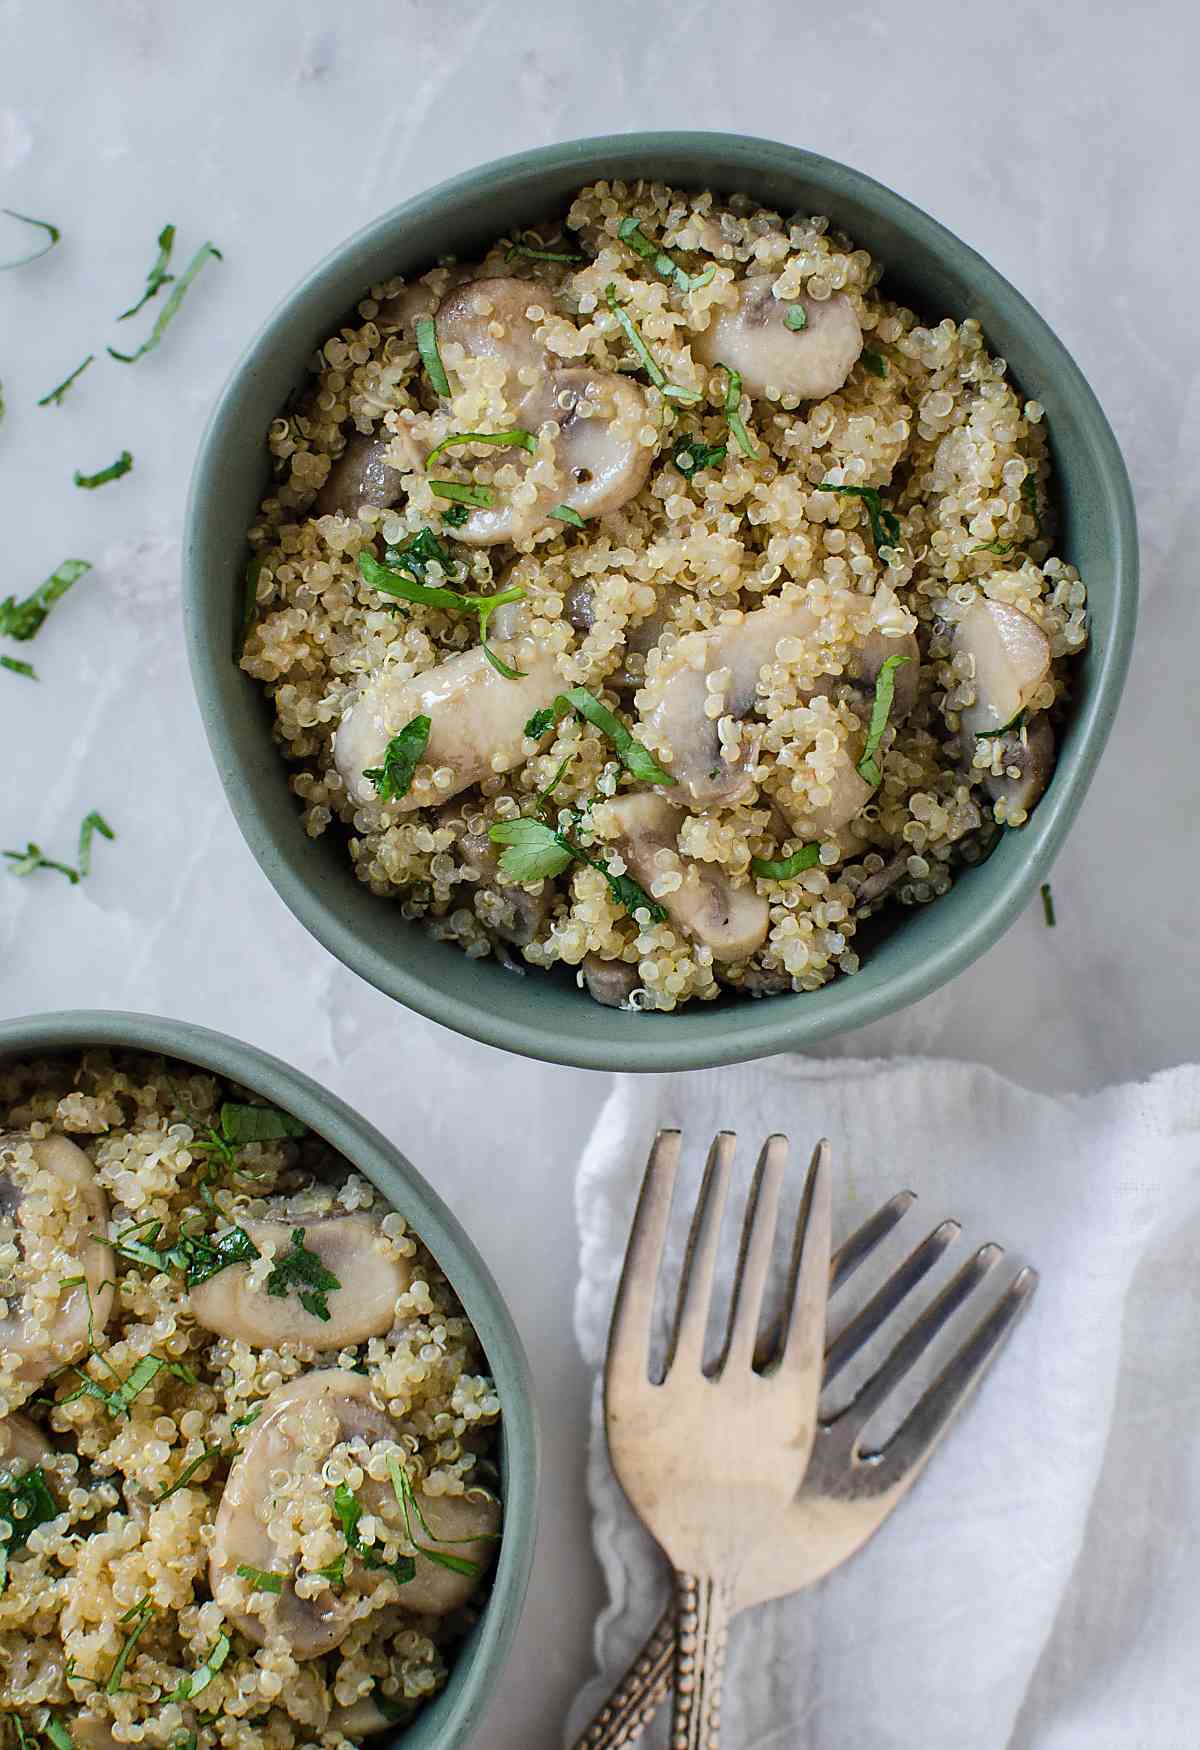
[1041, 1585]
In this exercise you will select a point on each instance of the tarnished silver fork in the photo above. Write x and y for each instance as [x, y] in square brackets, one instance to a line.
[847, 1492]
[712, 1458]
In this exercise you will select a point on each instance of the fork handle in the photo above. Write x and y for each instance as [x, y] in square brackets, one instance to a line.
[702, 1612]
[638, 1696]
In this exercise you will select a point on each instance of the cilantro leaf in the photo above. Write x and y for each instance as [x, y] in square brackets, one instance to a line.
[691, 456]
[25, 1505]
[302, 1271]
[533, 850]
[54, 398]
[786, 868]
[158, 275]
[403, 754]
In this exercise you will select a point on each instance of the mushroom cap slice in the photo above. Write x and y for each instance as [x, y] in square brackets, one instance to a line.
[773, 359]
[360, 475]
[477, 720]
[641, 639]
[610, 982]
[362, 1718]
[487, 318]
[463, 1526]
[732, 921]
[71, 1181]
[876, 648]
[849, 795]
[1012, 658]
[525, 912]
[22, 1439]
[351, 1247]
[1030, 753]
[673, 702]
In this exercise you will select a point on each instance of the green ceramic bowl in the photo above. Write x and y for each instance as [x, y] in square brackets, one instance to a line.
[549, 1018]
[452, 1718]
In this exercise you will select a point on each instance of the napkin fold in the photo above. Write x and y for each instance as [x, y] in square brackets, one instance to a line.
[1041, 1585]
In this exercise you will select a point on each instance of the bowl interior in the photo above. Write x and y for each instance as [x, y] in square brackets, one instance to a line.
[451, 1718]
[925, 266]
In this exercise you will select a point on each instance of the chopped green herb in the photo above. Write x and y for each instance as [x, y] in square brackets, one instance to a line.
[28, 861]
[786, 868]
[54, 398]
[140, 1616]
[250, 1417]
[405, 1495]
[874, 362]
[349, 1512]
[303, 1271]
[114, 471]
[57, 1733]
[627, 892]
[392, 583]
[885, 525]
[643, 351]
[186, 1741]
[24, 620]
[733, 413]
[481, 496]
[636, 759]
[1048, 906]
[158, 275]
[997, 546]
[241, 1123]
[188, 1472]
[261, 1580]
[188, 1688]
[499, 664]
[516, 250]
[1017, 722]
[24, 1506]
[52, 232]
[417, 554]
[795, 317]
[630, 231]
[516, 438]
[203, 254]
[885, 688]
[542, 721]
[691, 457]
[200, 1259]
[556, 780]
[15, 667]
[455, 516]
[403, 754]
[431, 358]
[533, 850]
[91, 824]
[249, 601]
[1029, 493]
[140, 1376]
[565, 514]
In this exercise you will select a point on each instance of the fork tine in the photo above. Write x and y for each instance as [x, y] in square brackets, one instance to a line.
[864, 1240]
[917, 1338]
[754, 1257]
[700, 1258]
[931, 1415]
[863, 1326]
[632, 1321]
[803, 1339]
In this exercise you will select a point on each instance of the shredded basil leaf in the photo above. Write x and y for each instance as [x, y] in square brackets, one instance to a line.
[304, 1272]
[140, 1616]
[1048, 906]
[188, 1472]
[874, 362]
[391, 582]
[636, 759]
[25, 1505]
[885, 688]
[55, 396]
[795, 317]
[403, 754]
[516, 250]
[455, 516]
[206, 252]
[28, 861]
[514, 439]
[565, 514]
[885, 525]
[262, 1579]
[733, 404]
[643, 351]
[242, 1123]
[58, 1734]
[52, 232]
[15, 667]
[426, 333]
[349, 1512]
[24, 620]
[630, 231]
[114, 471]
[481, 496]
[405, 1495]
[189, 1688]
[158, 275]
[997, 546]
[786, 868]
[91, 824]
[691, 456]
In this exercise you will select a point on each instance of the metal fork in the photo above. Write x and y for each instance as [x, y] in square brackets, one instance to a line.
[709, 1458]
[847, 1492]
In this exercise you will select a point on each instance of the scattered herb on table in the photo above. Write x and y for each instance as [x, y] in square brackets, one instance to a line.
[158, 277]
[90, 825]
[534, 851]
[54, 398]
[114, 471]
[24, 620]
[795, 317]
[206, 252]
[885, 690]
[630, 231]
[1048, 906]
[733, 413]
[188, 1688]
[302, 1271]
[874, 362]
[25, 1505]
[31, 859]
[691, 456]
[426, 333]
[15, 667]
[514, 439]
[403, 754]
[672, 390]
[52, 232]
[566, 514]
[885, 525]
[786, 868]
[140, 1617]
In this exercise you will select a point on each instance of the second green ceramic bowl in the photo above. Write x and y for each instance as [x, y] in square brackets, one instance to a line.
[925, 266]
[453, 1716]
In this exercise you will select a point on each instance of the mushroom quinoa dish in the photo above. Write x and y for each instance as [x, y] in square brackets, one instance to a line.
[656, 597]
[247, 1494]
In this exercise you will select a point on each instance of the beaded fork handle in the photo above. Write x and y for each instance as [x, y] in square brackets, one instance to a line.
[639, 1694]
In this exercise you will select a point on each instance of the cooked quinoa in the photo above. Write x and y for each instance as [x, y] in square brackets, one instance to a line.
[795, 539]
[213, 1532]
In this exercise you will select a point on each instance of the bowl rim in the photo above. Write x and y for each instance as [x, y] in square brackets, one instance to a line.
[842, 1007]
[369, 1151]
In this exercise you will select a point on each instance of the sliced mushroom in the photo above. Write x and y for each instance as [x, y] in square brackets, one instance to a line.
[23, 1440]
[1012, 658]
[599, 415]
[762, 981]
[360, 476]
[487, 318]
[610, 982]
[477, 720]
[1029, 753]
[674, 701]
[875, 651]
[872, 888]
[730, 920]
[350, 1247]
[466, 1526]
[849, 795]
[403, 308]
[86, 1253]
[641, 639]
[775, 360]
[363, 1718]
[525, 913]
[579, 605]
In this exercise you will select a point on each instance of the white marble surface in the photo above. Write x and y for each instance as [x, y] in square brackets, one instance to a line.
[1059, 141]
